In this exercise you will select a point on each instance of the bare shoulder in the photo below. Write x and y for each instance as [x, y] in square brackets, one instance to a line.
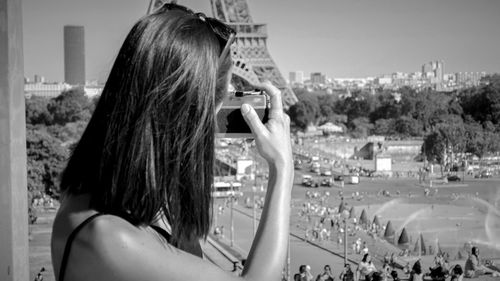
[110, 248]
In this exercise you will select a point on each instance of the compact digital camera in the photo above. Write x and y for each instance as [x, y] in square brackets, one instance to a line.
[230, 122]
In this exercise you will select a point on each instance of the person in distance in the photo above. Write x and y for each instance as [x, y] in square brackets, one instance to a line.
[137, 188]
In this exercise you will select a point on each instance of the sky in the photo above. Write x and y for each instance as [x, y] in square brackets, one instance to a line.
[341, 38]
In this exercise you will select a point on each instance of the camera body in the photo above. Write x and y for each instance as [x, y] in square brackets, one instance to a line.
[230, 122]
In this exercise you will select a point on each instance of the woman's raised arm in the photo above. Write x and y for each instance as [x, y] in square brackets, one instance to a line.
[267, 255]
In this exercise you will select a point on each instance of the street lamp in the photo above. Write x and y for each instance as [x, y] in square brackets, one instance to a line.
[231, 196]
[254, 211]
[345, 215]
[254, 187]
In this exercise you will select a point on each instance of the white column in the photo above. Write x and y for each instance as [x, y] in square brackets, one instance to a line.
[14, 263]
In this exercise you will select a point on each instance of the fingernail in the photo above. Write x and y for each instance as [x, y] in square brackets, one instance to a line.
[245, 108]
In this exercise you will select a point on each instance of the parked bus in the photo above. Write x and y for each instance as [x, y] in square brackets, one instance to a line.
[226, 189]
[351, 179]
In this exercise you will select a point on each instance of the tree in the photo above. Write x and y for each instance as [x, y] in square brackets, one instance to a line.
[492, 79]
[445, 141]
[389, 107]
[384, 127]
[69, 133]
[303, 113]
[424, 105]
[46, 160]
[37, 112]
[475, 139]
[407, 126]
[482, 103]
[359, 104]
[435, 148]
[360, 127]
[70, 106]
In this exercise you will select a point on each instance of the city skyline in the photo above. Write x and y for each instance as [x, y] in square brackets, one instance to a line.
[338, 38]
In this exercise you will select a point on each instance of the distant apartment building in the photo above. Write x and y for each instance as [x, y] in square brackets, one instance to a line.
[93, 90]
[469, 78]
[439, 71]
[318, 78]
[74, 55]
[415, 75]
[45, 90]
[52, 90]
[296, 77]
[381, 81]
[399, 75]
[433, 69]
[426, 68]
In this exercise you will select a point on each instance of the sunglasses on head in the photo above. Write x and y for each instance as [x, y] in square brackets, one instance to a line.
[224, 33]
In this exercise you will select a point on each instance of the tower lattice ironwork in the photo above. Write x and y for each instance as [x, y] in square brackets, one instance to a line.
[252, 61]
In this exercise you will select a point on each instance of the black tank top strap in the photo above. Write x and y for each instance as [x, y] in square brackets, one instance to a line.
[69, 242]
[192, 247]
[162, 232]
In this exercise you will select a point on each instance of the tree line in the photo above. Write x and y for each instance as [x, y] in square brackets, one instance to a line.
[450, 123]
[53, 126]
[457, 122]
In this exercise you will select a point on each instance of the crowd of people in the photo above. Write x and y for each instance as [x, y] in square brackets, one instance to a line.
[323, 223]
[305, 274]
[441, 270]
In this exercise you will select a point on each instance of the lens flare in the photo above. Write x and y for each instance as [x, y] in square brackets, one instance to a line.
[492, 217]
[418, 214]
[388, 204]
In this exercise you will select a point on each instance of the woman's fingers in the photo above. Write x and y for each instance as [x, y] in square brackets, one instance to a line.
[275, 94]
[253, 120]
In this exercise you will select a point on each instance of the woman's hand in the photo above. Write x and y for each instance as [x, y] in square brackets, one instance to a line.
[273, 138]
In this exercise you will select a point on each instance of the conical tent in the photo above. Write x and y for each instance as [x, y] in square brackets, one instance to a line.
[422, 244]
[415, 249]
[341, 207]
[352, 213]
[403, 238]
[439, 251]
[389, 233]
[363, 219]
[376, 221]
[417, 265]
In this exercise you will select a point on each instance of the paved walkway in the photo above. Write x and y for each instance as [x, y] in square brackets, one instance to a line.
[314, 254]
[39, 245]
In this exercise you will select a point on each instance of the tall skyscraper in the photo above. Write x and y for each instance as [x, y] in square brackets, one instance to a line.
[74, 55]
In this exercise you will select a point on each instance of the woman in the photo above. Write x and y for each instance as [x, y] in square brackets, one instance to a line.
[365, 268]
[440, 270]
[386, 271]
[327, 274]
[416, 273]
[137, 189]
[346, 274]
[474, 268]
[457, 273]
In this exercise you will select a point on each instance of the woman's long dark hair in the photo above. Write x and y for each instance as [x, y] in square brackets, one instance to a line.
[365, 257]
[149, 146]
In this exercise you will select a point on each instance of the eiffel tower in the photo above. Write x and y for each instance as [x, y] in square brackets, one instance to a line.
[252, 62]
